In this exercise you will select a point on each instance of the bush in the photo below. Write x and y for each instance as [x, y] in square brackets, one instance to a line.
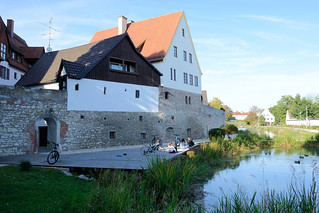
[25, 166]
[216, 133]
[230, 129]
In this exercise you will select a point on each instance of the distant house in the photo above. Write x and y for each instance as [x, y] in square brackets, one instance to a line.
[107, 75]
[238, 116]
[269, 118]
[167, 43]
[16, 57]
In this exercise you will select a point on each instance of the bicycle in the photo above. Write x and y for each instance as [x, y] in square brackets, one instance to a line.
[54, 155]
[151, 148]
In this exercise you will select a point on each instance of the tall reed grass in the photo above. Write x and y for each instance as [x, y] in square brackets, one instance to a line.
[295, 199]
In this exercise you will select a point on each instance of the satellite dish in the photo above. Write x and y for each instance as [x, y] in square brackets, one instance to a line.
[49, 49]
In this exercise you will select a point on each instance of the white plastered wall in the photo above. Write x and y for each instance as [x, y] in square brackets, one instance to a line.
[12, 81]
[178, 63]
[118, 97]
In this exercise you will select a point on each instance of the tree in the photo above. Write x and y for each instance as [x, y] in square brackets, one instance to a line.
[252, 118]
[228, 112]
[262, 120]
[216, 103]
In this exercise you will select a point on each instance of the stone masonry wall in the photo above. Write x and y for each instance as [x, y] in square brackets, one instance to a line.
[20, 109]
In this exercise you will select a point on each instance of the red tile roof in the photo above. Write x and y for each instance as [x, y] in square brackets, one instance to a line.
[154, 35]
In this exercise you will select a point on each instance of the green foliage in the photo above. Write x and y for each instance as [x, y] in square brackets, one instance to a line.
[252, 119]
[297, 106]
[228, 112]
[25, 166]
[216, 133]
[216, 103]
[296, 199]
[230, 129]
[262, 120]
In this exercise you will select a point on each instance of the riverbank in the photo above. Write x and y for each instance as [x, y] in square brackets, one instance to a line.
[167, 186]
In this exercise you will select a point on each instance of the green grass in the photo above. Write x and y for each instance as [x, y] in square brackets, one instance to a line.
[41, 190]
[295, 199]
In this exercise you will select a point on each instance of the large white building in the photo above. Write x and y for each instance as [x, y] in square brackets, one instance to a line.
[269, 118]
[167, 43]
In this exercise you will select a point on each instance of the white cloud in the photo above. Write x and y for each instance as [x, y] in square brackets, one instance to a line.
[270, 18]
[267, 36]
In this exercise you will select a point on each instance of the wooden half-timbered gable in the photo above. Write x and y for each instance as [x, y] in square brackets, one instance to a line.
[109, 75]
[16, 57]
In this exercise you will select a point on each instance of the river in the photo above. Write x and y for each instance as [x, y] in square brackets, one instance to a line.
[269, 169]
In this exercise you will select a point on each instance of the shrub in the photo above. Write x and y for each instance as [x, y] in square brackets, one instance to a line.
[216, 133]
[25, 165]
[230, 129]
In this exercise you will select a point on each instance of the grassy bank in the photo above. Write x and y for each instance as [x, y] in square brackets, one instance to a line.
[289, 137]
[166, 187]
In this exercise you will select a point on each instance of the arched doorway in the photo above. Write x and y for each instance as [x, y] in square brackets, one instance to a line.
[47, 128]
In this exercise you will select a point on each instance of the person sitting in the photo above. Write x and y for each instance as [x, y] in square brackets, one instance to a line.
[190, 142]
[171, 148]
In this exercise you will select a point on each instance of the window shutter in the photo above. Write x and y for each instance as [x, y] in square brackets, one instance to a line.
[8, 74]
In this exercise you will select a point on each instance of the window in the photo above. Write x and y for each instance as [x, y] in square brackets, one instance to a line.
[76, 87]
[185, 78]
[13, 55]
[112, 135]
[19, 59]
[15, 75]
[5, 73]
[104, 90]
[173, 74]
[129, 66]
[141, 118]
[116, 64]
[190, 79]
[190, 58]
[166, 95]
[185, 55]
[137, 94]
[175, 51]
[196, 81]
[186, 99]
[3, 51]
[143, 136]
[183, 32]
[122, 65]
[189, 100]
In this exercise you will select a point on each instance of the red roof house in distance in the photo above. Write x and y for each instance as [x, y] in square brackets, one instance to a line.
[239, 116]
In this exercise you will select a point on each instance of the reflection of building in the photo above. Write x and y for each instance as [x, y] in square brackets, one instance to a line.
[295, 122]
[239, 116]
[269, 118]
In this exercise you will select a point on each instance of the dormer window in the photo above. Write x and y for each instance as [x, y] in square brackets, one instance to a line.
[122, 65]
[13, 55]
[3, 51]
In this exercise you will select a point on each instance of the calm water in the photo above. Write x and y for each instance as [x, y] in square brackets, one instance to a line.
[271, 169]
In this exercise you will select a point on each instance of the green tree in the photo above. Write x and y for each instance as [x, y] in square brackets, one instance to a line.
[216, 103]
[252, 118]
[262, 120]
[228, 112]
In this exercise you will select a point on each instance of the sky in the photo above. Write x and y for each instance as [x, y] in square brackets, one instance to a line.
[251, 52]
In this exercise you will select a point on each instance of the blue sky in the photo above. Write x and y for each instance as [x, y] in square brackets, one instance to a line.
[251, 52]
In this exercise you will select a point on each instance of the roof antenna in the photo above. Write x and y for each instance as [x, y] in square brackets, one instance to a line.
[49, 49]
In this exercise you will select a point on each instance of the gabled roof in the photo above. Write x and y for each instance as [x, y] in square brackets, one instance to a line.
[152, 36]
[20, 46]
[77, 61]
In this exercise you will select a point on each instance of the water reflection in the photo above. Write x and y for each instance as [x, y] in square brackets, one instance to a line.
[269, 169]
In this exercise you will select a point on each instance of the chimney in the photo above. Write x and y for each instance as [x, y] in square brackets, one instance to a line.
[10, 26]
[122, 24]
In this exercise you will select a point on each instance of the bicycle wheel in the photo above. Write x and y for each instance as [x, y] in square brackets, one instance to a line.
[53, 157]
[145, 150]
